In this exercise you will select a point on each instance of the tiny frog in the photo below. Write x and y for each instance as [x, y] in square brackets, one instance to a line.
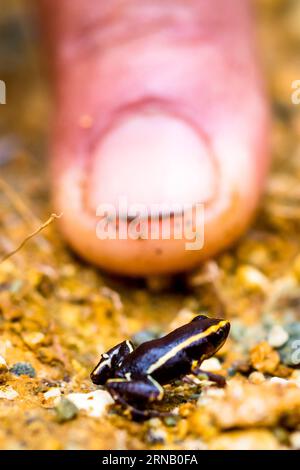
[134, 377]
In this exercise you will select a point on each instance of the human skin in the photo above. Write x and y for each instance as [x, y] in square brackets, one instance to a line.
[155, 102]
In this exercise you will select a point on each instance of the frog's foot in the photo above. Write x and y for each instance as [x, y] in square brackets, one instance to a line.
[219, 380]
[190, 380]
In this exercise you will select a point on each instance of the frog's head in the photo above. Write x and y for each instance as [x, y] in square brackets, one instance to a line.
[214, 332]
[109, 363]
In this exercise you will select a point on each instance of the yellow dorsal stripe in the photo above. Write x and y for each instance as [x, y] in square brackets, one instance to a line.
[163, 359]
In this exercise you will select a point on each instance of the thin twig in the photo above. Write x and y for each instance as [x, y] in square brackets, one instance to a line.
[18, 203]
[31, 235]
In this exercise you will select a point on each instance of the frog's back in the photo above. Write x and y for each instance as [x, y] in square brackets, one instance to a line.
[148, 354]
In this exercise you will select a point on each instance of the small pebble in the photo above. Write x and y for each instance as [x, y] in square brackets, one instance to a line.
[156, 436]
[171, 421]
[256, 378]
[3, 365]
[282, 435]
[252, 278]
[94, 403]
[209, 394]
[65, 410]
[277, 336]
[295, 377]
[211, 364]
[238, 330]
[289, 352]
[279, 380]
[295, 440]
[113, 296]
[4, 346]
[154, 422]
[23, 368]
[33, 339]
[53, 392]
[215, 392]
[263, 358]
[8, 393]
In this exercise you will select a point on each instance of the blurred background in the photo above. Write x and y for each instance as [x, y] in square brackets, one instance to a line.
[24, 120]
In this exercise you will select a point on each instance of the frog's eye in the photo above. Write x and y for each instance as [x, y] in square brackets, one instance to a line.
[110, 361]
[200, 317]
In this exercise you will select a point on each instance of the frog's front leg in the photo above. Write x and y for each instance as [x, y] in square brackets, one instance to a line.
[219, 380]
[135, 394]
[110, 360]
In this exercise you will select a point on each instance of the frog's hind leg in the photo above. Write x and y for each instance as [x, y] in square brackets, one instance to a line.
[139, 391]
[135, 394]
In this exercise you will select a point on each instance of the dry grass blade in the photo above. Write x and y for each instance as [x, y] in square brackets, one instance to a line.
[18, 204]
[30, 236]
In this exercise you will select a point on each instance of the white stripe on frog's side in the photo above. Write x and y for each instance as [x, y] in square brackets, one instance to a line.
[193, 339]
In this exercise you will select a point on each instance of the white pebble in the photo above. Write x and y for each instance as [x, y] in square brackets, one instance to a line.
[277, 336]
[211, 364]
[295, 378]
[215, 392]
[3, 365]
[53, 392]
[34, 338]
[210, 394]
[94, 403]
[253, 278]
[256, 378]
[8, 393]
[279, 380]
[157, 435]
[295, 440]
[4, 345]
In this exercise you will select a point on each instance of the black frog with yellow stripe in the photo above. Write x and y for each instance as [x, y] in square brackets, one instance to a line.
[134, 377]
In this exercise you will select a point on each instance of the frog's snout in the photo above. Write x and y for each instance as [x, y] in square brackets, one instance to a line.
[223, 330]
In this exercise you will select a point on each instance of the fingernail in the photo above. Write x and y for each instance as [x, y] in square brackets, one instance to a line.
[152, 158]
